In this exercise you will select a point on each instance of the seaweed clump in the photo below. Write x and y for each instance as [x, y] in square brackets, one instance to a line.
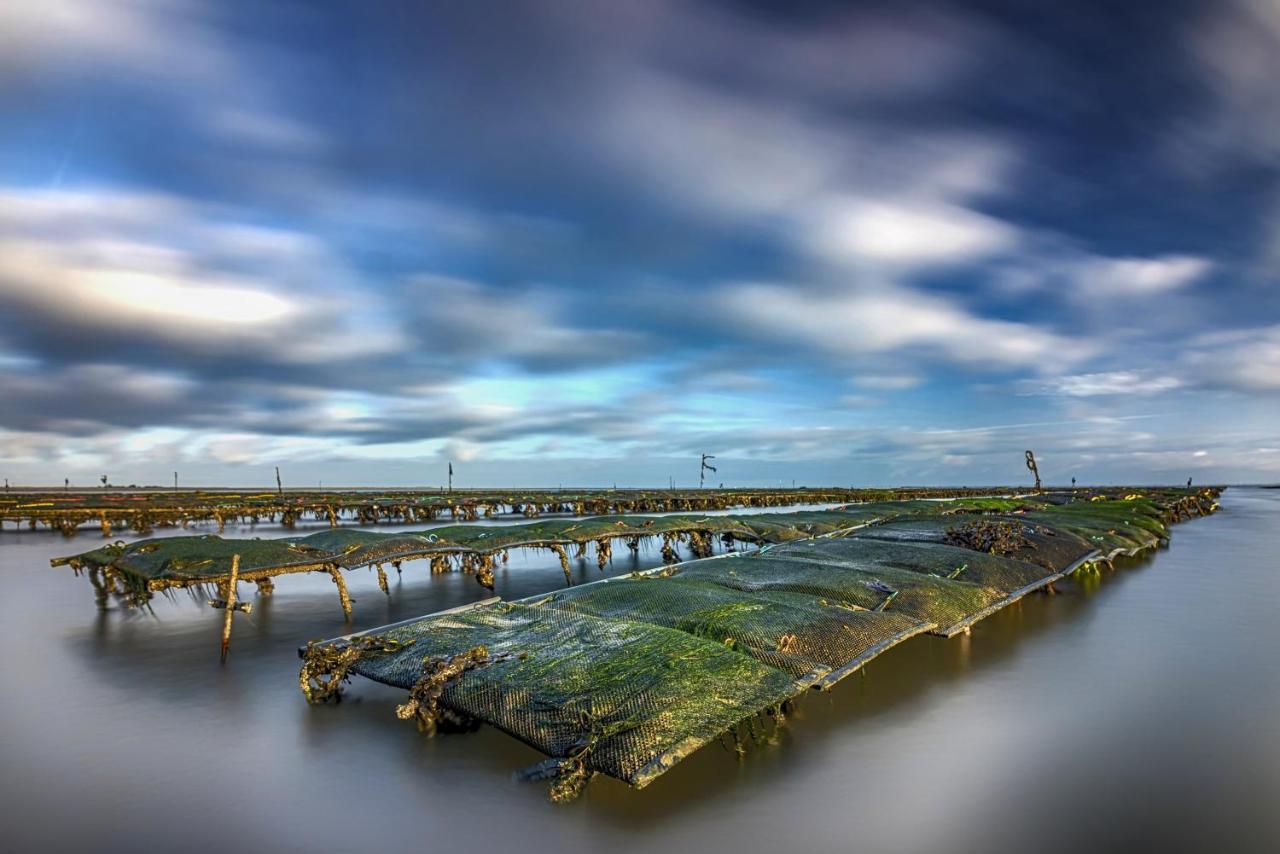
[438, 672]
[1000, 537]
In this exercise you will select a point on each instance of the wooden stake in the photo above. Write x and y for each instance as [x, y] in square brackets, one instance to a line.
[336, 575]
[230, 605]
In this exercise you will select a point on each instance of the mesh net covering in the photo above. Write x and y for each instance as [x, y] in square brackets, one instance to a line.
[206, 559]
[1125, 525]
[809, 637]
[626, 698]
[1029, 548]
[628, 675]
[944, 604]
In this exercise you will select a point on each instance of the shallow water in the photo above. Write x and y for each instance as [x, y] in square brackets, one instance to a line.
[1140, 710]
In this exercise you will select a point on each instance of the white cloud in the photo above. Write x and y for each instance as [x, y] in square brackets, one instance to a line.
[1138, 277]
[904, 234]
[156, 40]
[1104, 383]
[892, 319]
[160, 269]
[888, 382]
[266, 129]
[842, 192]
[1247, 359]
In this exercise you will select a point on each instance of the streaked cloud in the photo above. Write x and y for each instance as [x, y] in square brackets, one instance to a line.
[876, 243]
[1104, 384]
[889, 319]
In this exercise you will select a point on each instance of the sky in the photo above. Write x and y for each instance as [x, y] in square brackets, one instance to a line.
[582, 243]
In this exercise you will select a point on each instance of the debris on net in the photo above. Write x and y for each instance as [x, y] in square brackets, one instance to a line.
[999, 537]
[1024, 537]
[626, 676]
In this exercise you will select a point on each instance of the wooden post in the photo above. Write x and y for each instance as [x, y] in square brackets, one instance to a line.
[230, 605]
[564, 563]
[343, 595]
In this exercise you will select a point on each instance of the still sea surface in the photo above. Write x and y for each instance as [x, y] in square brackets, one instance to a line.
[1138, 711]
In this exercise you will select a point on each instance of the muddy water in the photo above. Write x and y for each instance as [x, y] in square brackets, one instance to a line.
[1141, 711]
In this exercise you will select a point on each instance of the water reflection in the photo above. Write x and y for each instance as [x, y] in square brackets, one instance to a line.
[1138, 707]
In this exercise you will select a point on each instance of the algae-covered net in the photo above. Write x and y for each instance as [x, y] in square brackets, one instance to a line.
[940, 603]
[621, 697]
[153, 565]
[807, 636]
[626, 676]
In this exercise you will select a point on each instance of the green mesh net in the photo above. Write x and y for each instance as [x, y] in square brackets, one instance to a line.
[626, 676]
[944, 604]
[625, 698]
[811, 638]
[1016, 538]
[181, 561]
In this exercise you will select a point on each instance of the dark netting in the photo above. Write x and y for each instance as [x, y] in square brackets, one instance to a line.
[627, 699]
[948, 605]
[200, 559]
[931, 559]
[812, 638]
[629, 675]
[1111, 526]
[1017, 537]
[209, 557]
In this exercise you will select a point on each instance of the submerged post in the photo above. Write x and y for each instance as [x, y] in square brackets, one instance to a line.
[229, 604]
[343, 595]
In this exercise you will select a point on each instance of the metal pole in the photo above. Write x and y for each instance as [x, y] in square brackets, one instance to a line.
[1031, 465]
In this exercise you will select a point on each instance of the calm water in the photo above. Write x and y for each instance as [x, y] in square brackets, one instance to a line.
[1143, 710]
